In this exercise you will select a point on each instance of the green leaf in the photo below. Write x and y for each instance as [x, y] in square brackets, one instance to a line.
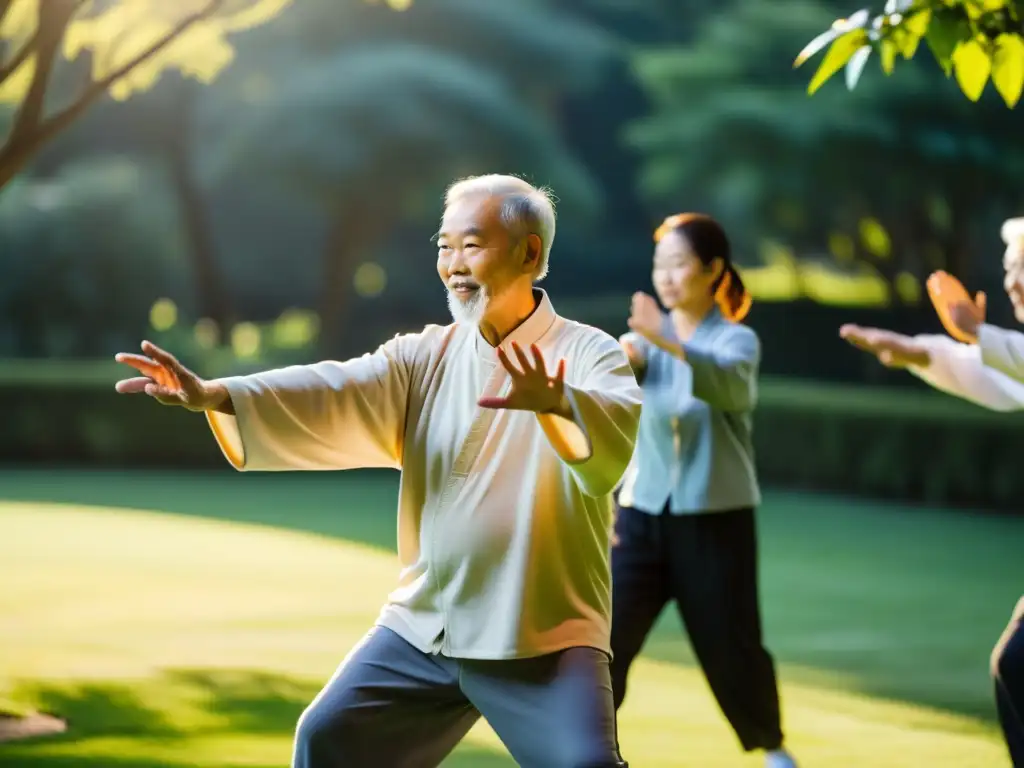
[840, 53]
[945, 32]
[855, 66]
[1008, 68]
[914, 27]
[973, 66]
[887, 51]
[816, 45]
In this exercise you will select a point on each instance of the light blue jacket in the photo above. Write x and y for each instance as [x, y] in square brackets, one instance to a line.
[695, 447]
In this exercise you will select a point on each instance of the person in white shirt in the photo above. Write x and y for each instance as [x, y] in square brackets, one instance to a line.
[511, 428]
[990, 373]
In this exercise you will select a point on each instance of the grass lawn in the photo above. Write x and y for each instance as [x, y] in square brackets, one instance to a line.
[185, 619]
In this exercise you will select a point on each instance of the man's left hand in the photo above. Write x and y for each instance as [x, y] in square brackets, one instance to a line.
[532, 388]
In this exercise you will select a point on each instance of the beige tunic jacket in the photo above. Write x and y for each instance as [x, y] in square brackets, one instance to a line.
[503, 543]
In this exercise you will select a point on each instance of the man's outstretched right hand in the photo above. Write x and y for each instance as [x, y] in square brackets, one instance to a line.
[169, 382]
[892, 349]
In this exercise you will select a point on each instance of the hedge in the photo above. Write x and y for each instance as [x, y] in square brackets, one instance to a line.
[908, 444]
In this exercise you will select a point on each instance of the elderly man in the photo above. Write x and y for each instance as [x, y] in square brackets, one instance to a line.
[989, 372]
[511, 428]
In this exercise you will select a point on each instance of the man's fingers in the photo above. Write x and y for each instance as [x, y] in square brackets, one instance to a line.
[140, 363]
[538, 359]
[856, 336]
[133, 386]
[150, 368]
[164, 395]
[524, 361]
[493, 402]
[560, 372]
[506, 363]
[981, 300]
[167, 360]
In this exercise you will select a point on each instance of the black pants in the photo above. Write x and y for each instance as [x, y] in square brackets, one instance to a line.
[707, 564]
[1008, 674]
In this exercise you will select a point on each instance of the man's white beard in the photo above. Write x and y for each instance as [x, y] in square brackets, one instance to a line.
[471, 311]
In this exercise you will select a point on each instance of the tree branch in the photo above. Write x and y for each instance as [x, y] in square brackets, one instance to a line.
[20, 146]
[59, 121]
[51, 23]
[11, 66]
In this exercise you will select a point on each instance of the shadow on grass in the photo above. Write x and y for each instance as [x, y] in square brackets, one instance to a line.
[104, 720]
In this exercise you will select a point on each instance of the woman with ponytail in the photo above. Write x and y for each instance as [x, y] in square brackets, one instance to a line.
[685, 528]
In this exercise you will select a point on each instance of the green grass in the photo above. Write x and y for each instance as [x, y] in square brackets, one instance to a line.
[186, 619]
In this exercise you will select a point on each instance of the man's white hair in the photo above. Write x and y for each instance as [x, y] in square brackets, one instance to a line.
[525, 209]
[1013, 231]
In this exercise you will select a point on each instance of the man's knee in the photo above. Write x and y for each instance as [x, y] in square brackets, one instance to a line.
[320, 739]
[312, 742]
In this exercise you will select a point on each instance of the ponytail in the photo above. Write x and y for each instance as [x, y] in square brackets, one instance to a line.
[731, 296]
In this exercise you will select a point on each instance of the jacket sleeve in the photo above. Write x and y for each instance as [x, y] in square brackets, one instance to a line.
[725, 377]
[597, 445]
[330, 415]
[958, 369]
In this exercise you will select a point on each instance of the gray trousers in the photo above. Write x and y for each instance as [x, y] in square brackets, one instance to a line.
[389, 705]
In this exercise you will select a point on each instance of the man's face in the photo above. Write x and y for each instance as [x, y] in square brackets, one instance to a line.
[477, 260]
[1013, 265]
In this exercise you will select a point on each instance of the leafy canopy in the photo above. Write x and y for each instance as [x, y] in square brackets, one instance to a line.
[974, 40]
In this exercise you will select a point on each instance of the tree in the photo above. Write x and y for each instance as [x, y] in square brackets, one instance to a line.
[368, 127]
[881, 185]
[128, 42]
[975, 40]
[74, 284]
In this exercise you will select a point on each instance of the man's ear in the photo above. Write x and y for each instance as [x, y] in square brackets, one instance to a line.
[532, 247]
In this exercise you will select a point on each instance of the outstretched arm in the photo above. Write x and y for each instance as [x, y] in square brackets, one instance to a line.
[330, 415]
[960, 370]
[945, 364]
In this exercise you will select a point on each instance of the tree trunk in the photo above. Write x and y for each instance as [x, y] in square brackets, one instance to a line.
[353, 231]
[12, 163]
[212, 296]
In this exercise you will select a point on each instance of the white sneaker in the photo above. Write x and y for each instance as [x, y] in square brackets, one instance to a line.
[780, 758]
